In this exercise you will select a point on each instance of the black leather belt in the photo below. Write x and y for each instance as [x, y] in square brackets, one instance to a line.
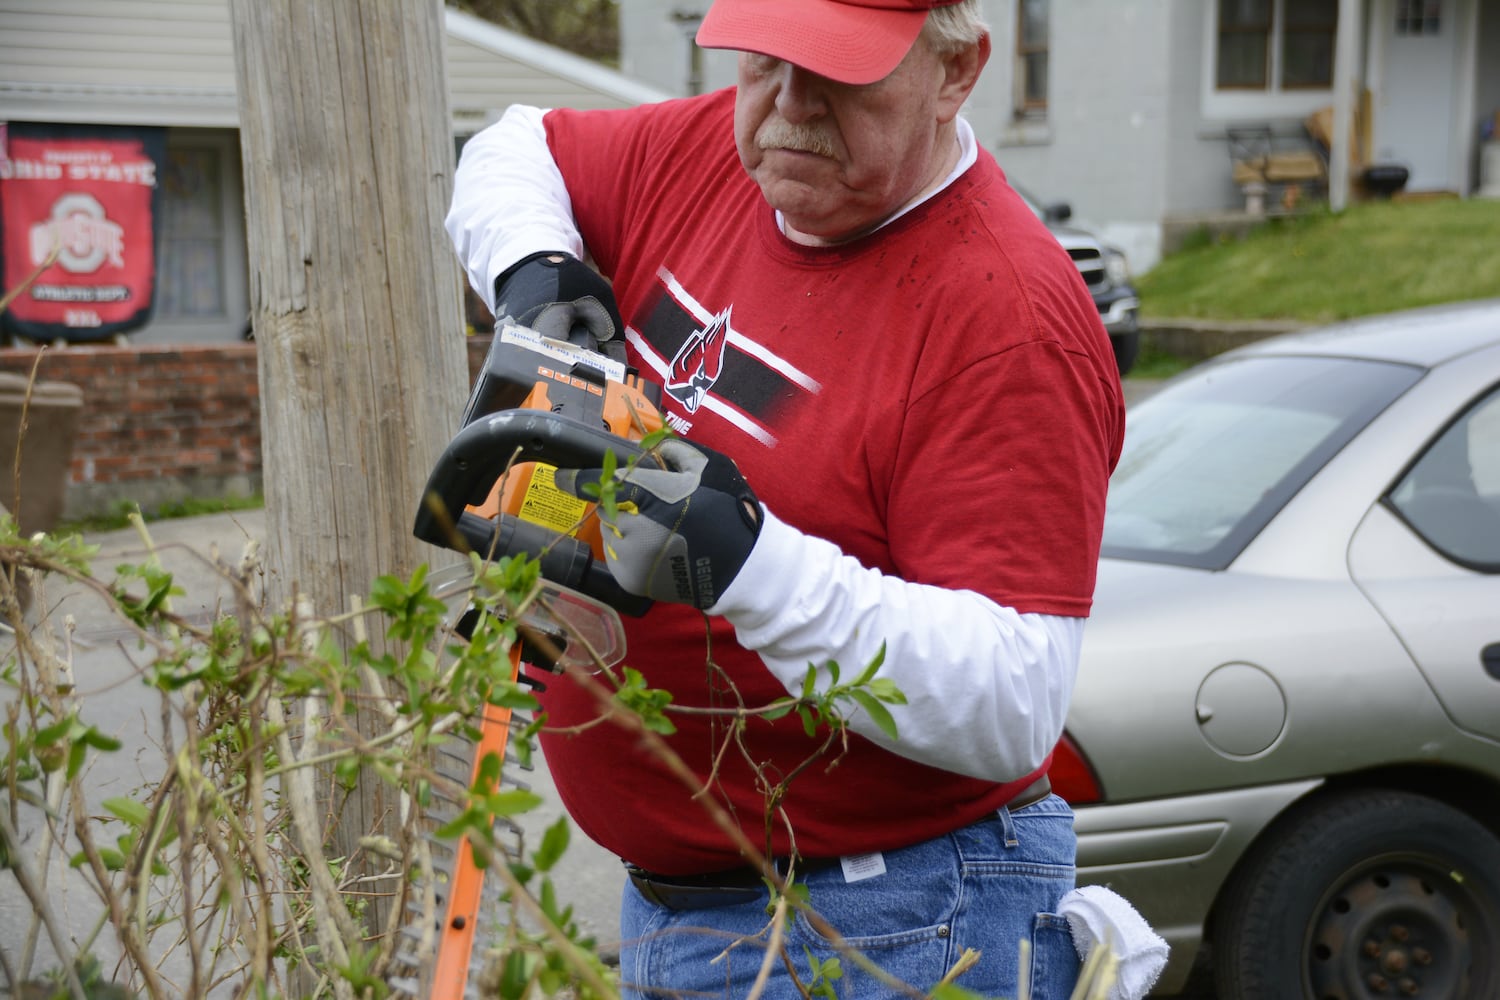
[700, 892]
[744, 885]
[1032, 793]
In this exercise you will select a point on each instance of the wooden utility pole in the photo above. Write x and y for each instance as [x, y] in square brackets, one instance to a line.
[348, 163]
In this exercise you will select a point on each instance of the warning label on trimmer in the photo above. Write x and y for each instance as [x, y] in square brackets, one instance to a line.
[549, 506]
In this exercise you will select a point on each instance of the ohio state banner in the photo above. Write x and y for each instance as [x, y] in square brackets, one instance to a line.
[86, 198]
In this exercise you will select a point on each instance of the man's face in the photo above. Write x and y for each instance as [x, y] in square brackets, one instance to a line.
[835, 158]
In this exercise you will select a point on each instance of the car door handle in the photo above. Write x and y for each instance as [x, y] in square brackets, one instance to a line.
[1490, 657]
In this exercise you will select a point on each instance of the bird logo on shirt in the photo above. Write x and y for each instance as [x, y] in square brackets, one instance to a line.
[698, 363]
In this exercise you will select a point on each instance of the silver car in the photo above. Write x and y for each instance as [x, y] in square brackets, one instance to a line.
[1284, 747]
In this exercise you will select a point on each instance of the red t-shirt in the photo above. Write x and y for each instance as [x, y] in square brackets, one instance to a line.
[938, 398]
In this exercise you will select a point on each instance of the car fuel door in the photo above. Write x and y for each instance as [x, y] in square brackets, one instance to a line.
[1428, 557]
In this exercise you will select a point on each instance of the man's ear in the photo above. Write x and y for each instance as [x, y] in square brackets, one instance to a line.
[961, 73]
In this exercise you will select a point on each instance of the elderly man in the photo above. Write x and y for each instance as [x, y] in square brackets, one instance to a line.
[898, 413]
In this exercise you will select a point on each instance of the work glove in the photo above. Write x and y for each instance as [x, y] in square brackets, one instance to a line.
[683, 527]
[561, 297]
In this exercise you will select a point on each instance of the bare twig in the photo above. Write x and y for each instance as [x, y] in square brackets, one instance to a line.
[333, 926]
[36, 893]
[773, 949]
[7, 298]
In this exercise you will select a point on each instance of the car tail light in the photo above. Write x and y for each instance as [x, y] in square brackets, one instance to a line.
[1072, 777]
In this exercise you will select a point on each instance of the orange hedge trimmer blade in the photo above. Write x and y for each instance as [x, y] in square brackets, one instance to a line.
[460, 924]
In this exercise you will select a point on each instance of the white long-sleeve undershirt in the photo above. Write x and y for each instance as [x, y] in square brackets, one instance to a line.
[987, 688]
[509, 200]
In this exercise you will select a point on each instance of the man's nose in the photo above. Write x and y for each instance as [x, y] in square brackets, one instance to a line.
[799, 93]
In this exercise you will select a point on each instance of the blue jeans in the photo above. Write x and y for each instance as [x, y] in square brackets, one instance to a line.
[987, 886]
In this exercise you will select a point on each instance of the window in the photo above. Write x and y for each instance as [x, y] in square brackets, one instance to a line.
[1031, 58]
[1211, 459]
[1451, 496]
[1274, 45]
[191, 270]
[1244, 42]
[1419, 17]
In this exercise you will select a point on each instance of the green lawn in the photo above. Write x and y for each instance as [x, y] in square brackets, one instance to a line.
[119, 516]
[1375, 257]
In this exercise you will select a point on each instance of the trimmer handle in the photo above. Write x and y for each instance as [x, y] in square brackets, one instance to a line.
[475, 460]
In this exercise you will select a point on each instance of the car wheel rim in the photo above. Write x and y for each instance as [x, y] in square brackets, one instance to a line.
[1394, 929]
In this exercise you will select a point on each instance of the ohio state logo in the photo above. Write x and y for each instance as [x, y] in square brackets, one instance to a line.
[82, 235]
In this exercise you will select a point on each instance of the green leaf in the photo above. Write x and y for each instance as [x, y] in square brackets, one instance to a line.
[877, 712]
[778, 709]
[655, 438]
[49, 735]
[546, 898]
[809, 721]
[93, 738]
[648, 703]
[487, 778]
[512, 803]
[554, 843]
[870, 670]
[512, 696]
[516, 974]
[886, 690]
[469, 819]
[360, 973]
[76, 754]
[346, 770]
[129, 810]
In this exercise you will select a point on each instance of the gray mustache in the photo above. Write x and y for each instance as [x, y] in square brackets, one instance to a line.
[781, 134]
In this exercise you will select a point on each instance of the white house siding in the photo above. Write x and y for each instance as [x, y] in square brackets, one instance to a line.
[1111, 97]
[656, 45]
[490, 68]
[156, 62]
[171, 63]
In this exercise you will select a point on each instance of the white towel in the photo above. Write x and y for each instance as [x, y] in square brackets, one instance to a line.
[1097, 915]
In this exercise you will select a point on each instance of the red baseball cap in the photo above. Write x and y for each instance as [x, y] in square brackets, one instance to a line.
[852, 41]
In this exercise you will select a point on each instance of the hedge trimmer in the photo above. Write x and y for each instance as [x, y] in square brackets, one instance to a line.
[539, 404]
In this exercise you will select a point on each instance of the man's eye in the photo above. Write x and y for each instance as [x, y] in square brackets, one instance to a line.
[759, 63]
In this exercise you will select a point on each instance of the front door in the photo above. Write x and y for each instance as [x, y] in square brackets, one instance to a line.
[1415, 100]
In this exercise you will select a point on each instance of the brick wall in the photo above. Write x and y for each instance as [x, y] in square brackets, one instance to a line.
[161, 423]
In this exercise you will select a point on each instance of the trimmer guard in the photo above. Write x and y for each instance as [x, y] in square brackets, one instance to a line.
[475, 460]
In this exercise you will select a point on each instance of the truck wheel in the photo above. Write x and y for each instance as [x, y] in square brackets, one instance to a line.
[1364, 895]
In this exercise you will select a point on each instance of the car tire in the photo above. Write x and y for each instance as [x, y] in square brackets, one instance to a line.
[1127, 346]
[1363, 895]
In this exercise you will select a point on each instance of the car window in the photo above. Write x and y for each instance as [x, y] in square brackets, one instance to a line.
[1451, 495]
[1212, 457]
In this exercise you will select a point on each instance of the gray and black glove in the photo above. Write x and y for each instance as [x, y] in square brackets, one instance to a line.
[682, 532]
[561, 297]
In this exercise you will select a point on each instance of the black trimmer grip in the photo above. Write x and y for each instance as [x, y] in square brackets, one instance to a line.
[475, 460]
